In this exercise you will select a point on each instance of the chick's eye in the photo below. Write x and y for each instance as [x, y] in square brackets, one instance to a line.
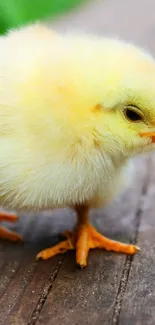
[132, 115]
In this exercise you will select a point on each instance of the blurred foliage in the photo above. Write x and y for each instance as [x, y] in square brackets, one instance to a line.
[14, 13]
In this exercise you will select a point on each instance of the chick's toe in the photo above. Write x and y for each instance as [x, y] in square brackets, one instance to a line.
[60, 248]
[8, 234]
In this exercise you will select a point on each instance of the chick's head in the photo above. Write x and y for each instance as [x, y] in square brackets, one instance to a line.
[124, 86]
[126, 116]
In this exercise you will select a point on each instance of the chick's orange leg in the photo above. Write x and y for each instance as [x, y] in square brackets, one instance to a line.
[5, 233]
[84, 239]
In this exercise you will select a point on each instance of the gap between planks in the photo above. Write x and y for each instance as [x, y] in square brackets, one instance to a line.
[45, 293]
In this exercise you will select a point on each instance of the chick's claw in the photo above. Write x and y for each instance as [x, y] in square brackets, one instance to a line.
[8, 234]
[84, 239]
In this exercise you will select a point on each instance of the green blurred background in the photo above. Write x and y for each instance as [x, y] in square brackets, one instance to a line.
[14, 13]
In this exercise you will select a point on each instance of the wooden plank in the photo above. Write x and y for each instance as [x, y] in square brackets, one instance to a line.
[23, 281]
[88, 296]
[139, 300]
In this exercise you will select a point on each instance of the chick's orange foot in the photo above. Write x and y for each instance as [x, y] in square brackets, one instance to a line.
[84, 239]
[8, 234]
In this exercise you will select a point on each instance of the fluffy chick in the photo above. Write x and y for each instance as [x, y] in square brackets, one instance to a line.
[73, 110]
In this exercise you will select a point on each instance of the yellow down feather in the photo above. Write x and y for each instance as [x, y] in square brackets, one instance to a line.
[64, 136]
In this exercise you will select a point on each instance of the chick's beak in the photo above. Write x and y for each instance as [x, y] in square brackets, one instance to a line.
[148, 135]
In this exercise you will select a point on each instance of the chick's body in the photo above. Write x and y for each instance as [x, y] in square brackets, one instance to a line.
[63, 137]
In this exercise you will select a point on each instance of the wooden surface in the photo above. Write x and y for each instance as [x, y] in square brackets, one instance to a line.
[114, 289]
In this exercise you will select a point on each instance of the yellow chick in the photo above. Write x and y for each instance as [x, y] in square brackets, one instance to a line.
[73, 110]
